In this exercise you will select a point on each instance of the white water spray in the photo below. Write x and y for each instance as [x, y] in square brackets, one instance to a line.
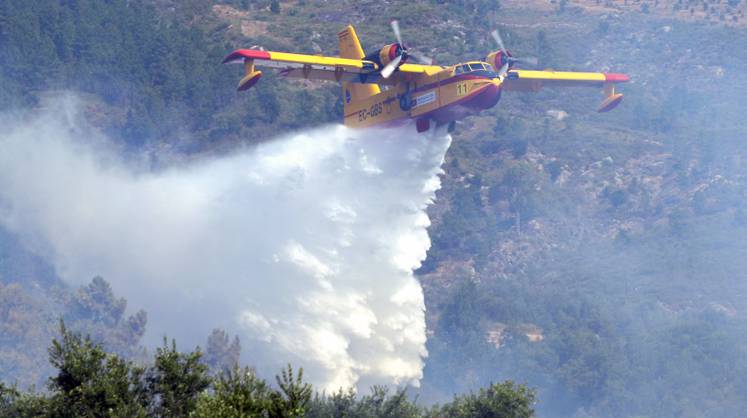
[304, 246]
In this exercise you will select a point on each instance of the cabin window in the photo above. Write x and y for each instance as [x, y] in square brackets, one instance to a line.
[459, 70]
[477, 67]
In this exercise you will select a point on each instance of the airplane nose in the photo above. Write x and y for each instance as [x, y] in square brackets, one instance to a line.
[490, 95]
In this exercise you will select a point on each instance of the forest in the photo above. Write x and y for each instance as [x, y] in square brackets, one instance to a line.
[90, 382]
[598, 260]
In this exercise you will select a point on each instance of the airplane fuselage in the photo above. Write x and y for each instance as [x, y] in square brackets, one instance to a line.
[446, 96]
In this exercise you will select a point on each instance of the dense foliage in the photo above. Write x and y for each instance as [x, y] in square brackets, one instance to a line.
[90, 382]
[158, 80]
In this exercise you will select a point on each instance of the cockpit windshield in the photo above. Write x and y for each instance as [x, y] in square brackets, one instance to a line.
[472, 67]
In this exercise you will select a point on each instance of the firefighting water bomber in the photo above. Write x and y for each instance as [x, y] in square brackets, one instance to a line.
[383, 89]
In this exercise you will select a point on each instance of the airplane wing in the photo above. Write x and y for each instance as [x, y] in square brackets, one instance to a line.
[533, 81]
[317, 67]
[407, 72]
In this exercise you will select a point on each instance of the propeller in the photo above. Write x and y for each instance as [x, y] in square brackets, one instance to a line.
[499, 41]
[510, 59]
[397, 33]
[389, 69]
[533, 61]
[406, 52]
[419, 57]
[503, 71]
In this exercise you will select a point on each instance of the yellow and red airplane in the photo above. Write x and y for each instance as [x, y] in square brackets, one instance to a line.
[383, 89]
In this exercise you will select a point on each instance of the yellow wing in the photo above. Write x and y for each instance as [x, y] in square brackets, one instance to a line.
[408, 72]
[317, 67]
[532, 81]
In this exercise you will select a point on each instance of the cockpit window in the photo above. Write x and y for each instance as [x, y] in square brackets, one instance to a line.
[472, 67]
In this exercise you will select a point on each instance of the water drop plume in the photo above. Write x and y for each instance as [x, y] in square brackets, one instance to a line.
[304, 245]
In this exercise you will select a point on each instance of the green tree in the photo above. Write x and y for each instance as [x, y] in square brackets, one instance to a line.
[95, 311]
[380, 404]
[236, 393]
[506, 400]
[14, 403]
[91, 382]
[342, 403]
[176, 380]
[222, 354]
[295, 394]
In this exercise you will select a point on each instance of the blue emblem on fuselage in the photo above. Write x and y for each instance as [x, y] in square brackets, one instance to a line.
[347, 96]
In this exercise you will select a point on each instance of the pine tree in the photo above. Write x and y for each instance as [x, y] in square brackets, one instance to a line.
[295, 394]
[176, 380]
[236, 393]
[91, 382]
[222, 354]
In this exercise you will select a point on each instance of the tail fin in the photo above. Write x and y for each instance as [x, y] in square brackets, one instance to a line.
[350, 47]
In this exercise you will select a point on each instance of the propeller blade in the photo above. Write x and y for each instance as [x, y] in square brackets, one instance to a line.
[423, 59]
[503, 71]
[499, 41]
[389, 69]
[533, 61]
[397, 34]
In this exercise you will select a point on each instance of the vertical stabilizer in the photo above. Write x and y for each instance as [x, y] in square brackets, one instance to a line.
[350, 47]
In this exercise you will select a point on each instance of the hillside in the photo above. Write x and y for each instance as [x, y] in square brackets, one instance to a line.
[726, 12]
[598, 258]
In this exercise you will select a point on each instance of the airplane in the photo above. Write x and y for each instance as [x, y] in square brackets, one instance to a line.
[383, 89]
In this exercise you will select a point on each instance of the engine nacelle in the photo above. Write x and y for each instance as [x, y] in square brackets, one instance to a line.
[498, 59]
[386, 55]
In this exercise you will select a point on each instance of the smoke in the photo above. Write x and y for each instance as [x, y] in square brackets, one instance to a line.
[304, 245]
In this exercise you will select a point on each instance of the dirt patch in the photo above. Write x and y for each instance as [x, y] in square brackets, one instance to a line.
[242, 20]
[229, 13]
[532, 332]
[495, 334]
[253, 28]
[543, 5]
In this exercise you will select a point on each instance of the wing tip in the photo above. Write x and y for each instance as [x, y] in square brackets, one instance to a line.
[616, 78]
[240, 54]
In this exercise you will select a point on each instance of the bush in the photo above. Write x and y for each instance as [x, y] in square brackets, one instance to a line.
[93, 383]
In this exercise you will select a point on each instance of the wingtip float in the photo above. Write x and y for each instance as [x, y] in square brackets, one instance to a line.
[383, 88]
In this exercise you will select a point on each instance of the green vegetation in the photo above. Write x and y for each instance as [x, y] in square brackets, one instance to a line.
[29, 319]
[160, 78]
[89, 382]
[602, 263]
